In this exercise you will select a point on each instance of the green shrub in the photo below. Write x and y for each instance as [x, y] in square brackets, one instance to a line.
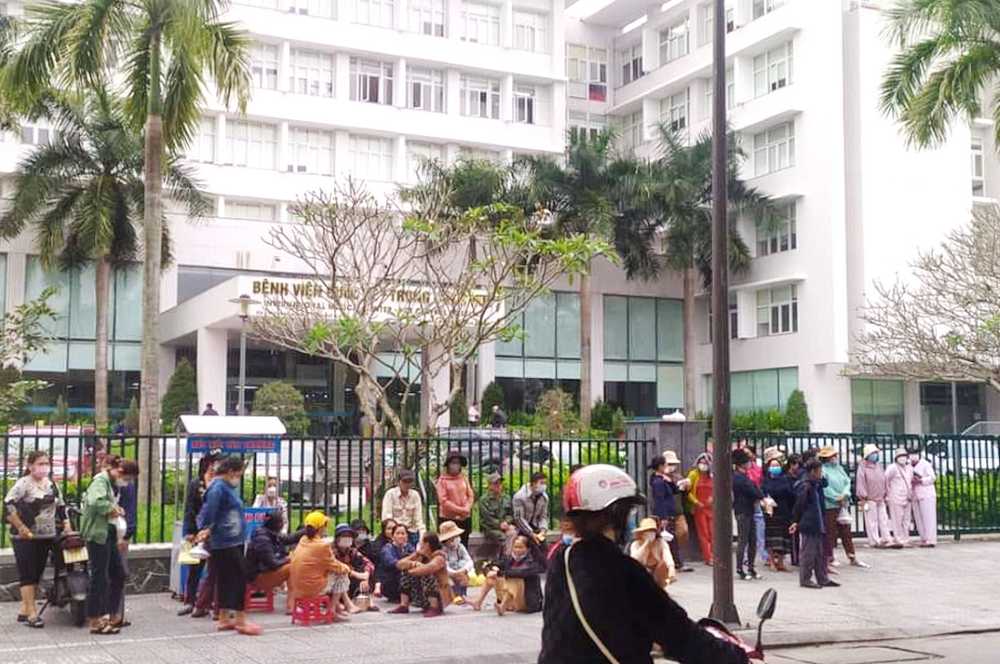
[617, 423]
[556, 413]
[521, 419]
[797, 412]
[181, 397]
[492, 396]
[759, 420]
[60, 415]
[284, 401]
[459, 411]
[602, 415]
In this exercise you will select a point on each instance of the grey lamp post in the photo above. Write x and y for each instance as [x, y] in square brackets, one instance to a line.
[244, 301]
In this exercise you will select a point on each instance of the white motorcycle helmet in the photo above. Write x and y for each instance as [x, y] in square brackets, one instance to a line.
[598, 487]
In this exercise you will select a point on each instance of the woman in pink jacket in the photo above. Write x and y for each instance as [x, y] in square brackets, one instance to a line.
[899, 496]
[455, 495]
[869, 486]
[924, 499]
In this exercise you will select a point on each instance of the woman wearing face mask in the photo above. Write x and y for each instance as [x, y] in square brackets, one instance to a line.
[460, 564]
[924, 499]
[36, 514]
[392, 553]
[455, 495]
[271, 499]
[107, 572]
[126, 497]
[702, 504]
[222, 522]
[362, 570]
[899, 497]
[516, 579]
[313, 561]
[649, 549]
[869, 485]
[663, 498]
[779, 487]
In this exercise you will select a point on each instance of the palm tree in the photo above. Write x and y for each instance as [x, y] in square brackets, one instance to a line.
[82, 194]
[588, 193]
[950, 53]
[166, 49]
[681, 208]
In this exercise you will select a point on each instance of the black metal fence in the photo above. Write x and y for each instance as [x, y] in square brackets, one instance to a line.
[967, 469]
[345, 477]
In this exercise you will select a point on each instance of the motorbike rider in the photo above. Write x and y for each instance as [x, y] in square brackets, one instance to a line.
[602, 607]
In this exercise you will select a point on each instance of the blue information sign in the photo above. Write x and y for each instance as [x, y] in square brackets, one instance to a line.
[233, 444]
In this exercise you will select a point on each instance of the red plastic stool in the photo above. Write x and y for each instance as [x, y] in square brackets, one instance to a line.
[313, 610]
[259, 600]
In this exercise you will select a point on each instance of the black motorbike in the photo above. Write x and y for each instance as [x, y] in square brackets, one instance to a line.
[70, 577]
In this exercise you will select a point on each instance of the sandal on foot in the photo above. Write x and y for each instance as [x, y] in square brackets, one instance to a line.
[104, 629]
[225, 627]
[22, 617]
[250, 629]
[34, 623]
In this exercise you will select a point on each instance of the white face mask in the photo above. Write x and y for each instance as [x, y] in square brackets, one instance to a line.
[272, 492]
[903, 461]
[539, 490]
[914, 458]
[649, 536]
[344, 542]
[234, 482]
[121, 483]
[703, 467]
[670, 469]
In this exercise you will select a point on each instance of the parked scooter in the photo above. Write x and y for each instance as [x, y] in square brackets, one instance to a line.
[70, 576]
[765, 611]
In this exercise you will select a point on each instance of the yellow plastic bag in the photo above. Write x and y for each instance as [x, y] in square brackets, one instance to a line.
[476, 580]
[185, 557]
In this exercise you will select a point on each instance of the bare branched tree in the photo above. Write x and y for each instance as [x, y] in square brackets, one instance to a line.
[944, 323]
[409, 293]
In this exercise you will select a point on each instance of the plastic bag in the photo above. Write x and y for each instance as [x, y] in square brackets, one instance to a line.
[185, 557]
[844, 516]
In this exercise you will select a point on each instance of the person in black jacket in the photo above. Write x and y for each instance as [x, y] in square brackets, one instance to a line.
[268, 566]
[808, 522]
[779, 488]
[746, 496]
[664, 504]
[620, 602]
[516, 578]
[193, 501]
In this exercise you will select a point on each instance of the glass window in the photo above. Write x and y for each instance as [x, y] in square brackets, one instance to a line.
[631, 63]
[3, 284]
[675, 42]
[615, 327]
[477, 154]
[568, 325]
[978, 167]
[371, 81]
[36, 281]
[251, 210]
[778, 234]
[632, 132]
[264, 66]
[252, 144]
[371, 158]
[877, 406]
[202, 147]
[481, 23]
[524, 104]
[706, 24]
[670, 386]
[641, 328]
[374, 12]
[587, 70]
[529, 32]
[128, 307]
[417, 153]
[311, 73]
[669, 330]
[37, 133]
[540, 328]
[777, 311]
[774, 149]
[427, 17]
[310, 151]
[426, 89]
[320, 8]
[674, 110]
[266, 4]
[764, 7]
[772, 70]
[757, 390]
[480, 97]
[576, 70]
[586, 125]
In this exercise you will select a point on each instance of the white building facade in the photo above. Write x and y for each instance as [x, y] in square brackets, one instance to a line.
[367, 87]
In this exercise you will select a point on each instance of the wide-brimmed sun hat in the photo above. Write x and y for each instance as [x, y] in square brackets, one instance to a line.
[646, 525]
[449, 530]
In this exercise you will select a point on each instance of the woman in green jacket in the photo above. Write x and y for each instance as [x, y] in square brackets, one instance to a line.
[107, 572]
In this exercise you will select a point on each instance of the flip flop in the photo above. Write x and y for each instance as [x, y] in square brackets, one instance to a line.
[22, 617]
[34, 623]
[104, 629]
[250, 629]
[121, 624]
[225, 628]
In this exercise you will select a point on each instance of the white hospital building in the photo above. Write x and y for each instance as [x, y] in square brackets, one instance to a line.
[367, 87]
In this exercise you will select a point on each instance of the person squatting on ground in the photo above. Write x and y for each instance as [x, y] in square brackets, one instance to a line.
[624, 617]
[377, 546]
[268, 564]
[99, 513]
[516, 578]
[650, 550]
[924, 499]
[700, 497]
[899, 496]
[779, 492]
[836, 509]
[392, 553]
[460, 563]
[455, 496]
[424, 582]
[809, 521]
[746, 497]
[869, 485]
[360, 577]
[222, 521]
[36, 513]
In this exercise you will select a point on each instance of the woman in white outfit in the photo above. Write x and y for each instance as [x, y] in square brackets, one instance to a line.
[924, 499]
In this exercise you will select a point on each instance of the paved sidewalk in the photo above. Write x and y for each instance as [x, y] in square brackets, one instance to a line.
[906, 594]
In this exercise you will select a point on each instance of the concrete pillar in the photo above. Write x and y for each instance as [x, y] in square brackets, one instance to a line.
[557, 38]
[486, 371]
[284, 147]
[451, 153]
[399, 96]
[220, 206]
[507, 24]
[342, 77]
[213, 353]
[453, 20]
[399, 165]
[453, 92]
[507, 98]
[557, 119]
[742, 80]
[342, 152]
[400, 10]
[650, 46]
[746, 312]
[285, 67]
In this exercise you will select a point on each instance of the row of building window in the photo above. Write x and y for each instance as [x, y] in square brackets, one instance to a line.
[777, 313]
[479, 22]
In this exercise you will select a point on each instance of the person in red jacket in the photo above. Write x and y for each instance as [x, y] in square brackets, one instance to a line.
[455, 495]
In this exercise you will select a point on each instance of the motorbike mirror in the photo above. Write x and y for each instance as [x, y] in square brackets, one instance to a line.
[765, 610]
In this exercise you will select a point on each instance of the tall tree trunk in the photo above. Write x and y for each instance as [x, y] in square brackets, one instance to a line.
[149, 393]
[102, 295]
[690, 375]
[586, 388]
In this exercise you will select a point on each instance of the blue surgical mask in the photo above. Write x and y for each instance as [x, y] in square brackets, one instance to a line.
[567, 540]
[873, 457]
[774, 471]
